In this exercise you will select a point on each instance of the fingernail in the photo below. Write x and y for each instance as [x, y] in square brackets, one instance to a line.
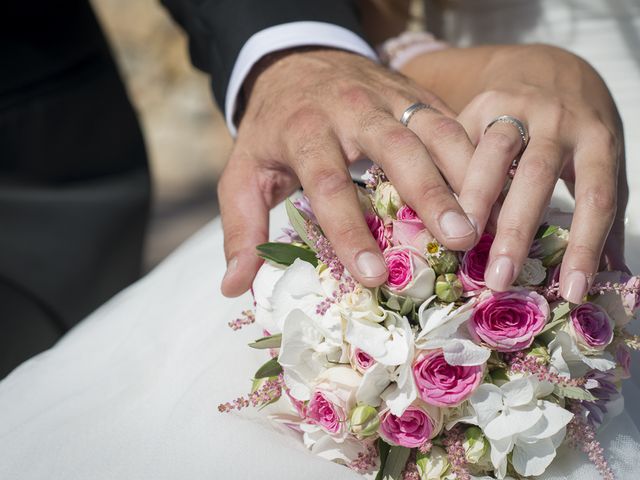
[474, 224]
[575, 286]
[370, 265]
[499, 275]
[232, 266]
[454, 225]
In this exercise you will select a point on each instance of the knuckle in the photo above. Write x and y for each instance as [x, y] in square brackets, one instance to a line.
[435, 193]
[500, 142]
[447, 128]
[355, 97]
[540, 168]
[329, 182]
[304, 121]
[582, 252]
[488, 98]
[399, 139]
[601, 198]
[605, 139]
[513, 235]
[371, 121]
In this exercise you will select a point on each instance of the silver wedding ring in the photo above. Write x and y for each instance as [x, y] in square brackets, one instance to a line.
[522, 130]
[411, 110]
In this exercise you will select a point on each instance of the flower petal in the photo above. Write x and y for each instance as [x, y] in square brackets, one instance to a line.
[533, 458]
[487, 403]
[460, 351]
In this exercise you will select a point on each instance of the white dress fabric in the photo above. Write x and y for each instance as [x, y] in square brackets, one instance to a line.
[132, 392]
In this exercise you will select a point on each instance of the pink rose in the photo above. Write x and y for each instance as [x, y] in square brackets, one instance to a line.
[508, 321]
[407, 229]
[378, 230]
[474, 263]
[409, 275]
[442, 384]
[591, 328]
[415, 427]
[332, 398]
[325, 413]
[361, 360]
[407, 213]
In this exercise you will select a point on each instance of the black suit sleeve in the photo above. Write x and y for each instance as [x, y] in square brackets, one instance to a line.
[218, 29]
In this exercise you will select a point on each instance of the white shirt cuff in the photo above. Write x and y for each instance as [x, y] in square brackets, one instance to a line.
[280, 37]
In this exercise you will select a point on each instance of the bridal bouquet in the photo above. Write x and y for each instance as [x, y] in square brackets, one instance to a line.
[434, 376]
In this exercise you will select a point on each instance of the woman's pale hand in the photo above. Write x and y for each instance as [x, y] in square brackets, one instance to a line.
[575, 134]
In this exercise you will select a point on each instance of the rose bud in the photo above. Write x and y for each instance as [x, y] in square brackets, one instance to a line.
[387, 201]
[364, 421]
[433, 465]
[448, 287]
[440, 259]
[475, 445]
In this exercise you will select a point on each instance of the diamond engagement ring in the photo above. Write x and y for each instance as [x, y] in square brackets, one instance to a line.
[411, 110]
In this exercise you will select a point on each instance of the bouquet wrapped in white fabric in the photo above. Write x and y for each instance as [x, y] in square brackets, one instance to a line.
[434, 376]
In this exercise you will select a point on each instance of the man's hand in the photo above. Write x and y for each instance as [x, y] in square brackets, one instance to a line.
[309, 115]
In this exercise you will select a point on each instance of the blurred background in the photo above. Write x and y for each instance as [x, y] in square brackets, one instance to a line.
[185, 134]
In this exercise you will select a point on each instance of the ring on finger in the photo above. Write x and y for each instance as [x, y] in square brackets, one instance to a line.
[522, 129]
[411, 111]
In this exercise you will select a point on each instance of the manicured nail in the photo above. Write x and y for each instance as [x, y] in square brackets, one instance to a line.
[232, 266]
[454, 225]
[499, 275]
[575, 286]
[370, 265]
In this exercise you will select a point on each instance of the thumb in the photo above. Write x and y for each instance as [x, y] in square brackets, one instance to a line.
[245, 223]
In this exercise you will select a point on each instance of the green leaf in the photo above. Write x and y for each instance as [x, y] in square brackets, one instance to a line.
[576, 393]
[383, 449]
[396, 461]
[298, 221]
[272, 341]
[270, 369]
[285, 253]
[546, 230]
[558, 315]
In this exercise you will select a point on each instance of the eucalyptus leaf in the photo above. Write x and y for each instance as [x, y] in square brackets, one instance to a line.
[272, 341]
[285, 253]
[576, 393]
[396, 461]
[270, 369]
[298, 221]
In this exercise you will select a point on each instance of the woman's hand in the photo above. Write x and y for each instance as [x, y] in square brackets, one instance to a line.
[575, 134]
[312, 112]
